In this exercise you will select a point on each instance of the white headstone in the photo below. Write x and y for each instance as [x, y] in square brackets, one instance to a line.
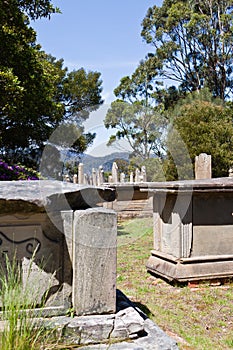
[80, 174]
[122, 177]
[137, 175]
[75, 179]
[131, 177]
[94, 179]
[115, 172]
[143, 174]
[203, 166]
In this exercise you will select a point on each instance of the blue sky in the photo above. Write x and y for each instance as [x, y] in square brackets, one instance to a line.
[101, 36]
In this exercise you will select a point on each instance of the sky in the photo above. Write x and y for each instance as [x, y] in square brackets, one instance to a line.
[101, 36]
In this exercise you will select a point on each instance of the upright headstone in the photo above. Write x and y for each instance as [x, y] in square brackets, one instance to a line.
[143, 174]
[94, 179]
[231, 172]
[122, 177]
[115, 172]
[86, 180]
[131, 177]
[110, 179]
[94, 261]
[100, 176]
[137, 175]
[80, 174]
[66, 178]
[75, 179]
[203, 166]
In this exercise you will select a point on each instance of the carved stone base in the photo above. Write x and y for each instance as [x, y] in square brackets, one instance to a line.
[190, 269]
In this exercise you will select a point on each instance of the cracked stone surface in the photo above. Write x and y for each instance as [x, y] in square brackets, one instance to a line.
[128, 329]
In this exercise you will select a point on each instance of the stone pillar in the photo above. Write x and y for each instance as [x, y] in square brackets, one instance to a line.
[66, 178]
[94, 261]
[86, 180]
[137, 175]
[203, 166]
[100, 179]
[80, 174]
[122, 177]
[143, 174]
[231, 172]
[94, 180]
[110, 179]
[131, 177]
[115, 172]
[75, 179]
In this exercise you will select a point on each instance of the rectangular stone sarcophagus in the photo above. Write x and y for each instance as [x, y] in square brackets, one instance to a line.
[193, 230]
[38, 231]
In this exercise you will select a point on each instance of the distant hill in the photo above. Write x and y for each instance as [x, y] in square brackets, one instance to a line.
[91, 162]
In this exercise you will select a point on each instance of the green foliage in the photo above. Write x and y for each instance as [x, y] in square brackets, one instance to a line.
[135, 115]
[192, 42]
[206, 127]
[21, 332]
[36, 92]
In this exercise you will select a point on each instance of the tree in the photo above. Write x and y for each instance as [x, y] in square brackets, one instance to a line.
[206, 126]
[36, 92]
[193, 43]
[135, 115]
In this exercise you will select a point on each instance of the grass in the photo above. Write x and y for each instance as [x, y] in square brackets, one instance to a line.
[198, 318]
[19, 330]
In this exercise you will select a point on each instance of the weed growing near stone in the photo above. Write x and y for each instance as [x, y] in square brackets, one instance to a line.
[18, 329]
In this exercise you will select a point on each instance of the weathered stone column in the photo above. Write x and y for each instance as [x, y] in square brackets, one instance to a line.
[80, 174]
[115, 172]
[203, 166]
[131, 177]
[94, 261]
[137, 175]
[94, 179]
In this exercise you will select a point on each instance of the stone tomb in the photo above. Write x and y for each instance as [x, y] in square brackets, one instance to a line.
[40, 225]
[193, 230]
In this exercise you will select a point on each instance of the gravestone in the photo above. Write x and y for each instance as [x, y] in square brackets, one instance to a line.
[137, 175]
[80, 174]
[131, 177]
[94, 261]
[94, 178]
[143, 174]
[193, 229]
[203, 166]
[115, 173]
[37, 231]
[100, 177]
[122, 177]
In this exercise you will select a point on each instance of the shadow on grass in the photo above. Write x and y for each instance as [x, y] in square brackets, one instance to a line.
[121, 231]
[144, 309]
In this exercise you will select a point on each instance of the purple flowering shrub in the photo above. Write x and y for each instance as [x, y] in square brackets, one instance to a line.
[16, 172]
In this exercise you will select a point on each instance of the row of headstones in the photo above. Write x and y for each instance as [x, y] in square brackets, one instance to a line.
[97, 177]
[203, 170]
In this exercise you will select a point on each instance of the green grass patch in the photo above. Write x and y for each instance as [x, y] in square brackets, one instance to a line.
[201, 317]
[19, 329]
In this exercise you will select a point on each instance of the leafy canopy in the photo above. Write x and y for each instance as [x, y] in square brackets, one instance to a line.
[135, 115]
[36, 92]
[193, 42]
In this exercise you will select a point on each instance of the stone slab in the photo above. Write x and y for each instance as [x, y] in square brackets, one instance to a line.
[94, 261]
[28, 196]
[190, 269]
